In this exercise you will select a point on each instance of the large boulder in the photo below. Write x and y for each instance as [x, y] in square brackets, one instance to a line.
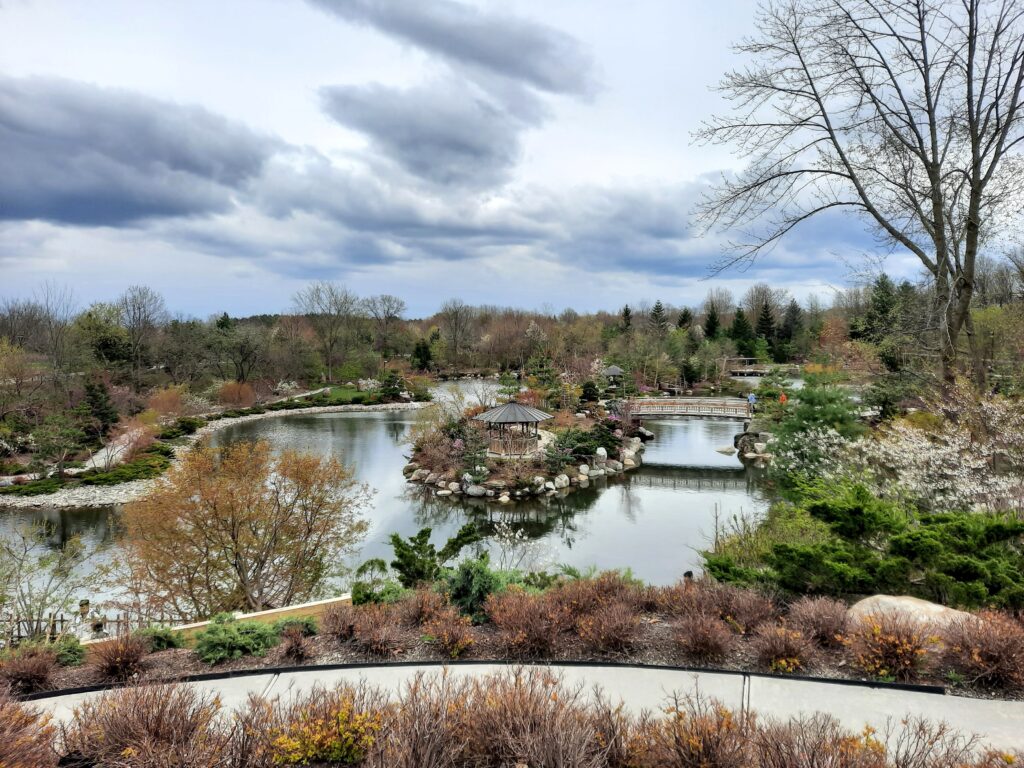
[561, 481]
[584, 469]
[432, 478]
[476, 490]
[601, 456]
[914, 607]
[419, 475]
[614, 465]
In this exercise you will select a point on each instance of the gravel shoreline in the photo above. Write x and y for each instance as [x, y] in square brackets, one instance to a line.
[105, 496]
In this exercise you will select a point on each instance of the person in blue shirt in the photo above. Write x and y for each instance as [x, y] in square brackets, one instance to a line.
[751, 402]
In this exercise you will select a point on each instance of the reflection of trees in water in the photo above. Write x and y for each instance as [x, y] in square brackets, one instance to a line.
[95, 525]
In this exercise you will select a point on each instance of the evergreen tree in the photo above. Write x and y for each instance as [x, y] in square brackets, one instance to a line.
[224, 322]
[421, 355]
[685, 319]
[792, 321]
[882, 310]
[712, 324]
[97, 400]
[627, 319]
[658, 319]
[766, 323]
[743, 334]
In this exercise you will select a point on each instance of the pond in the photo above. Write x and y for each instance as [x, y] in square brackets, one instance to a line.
[655, 520]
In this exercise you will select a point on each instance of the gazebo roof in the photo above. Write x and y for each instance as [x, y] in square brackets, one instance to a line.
[612, 370]
[513, 413]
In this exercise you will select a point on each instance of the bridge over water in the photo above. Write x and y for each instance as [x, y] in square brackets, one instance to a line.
[691, 478]
[715, 407]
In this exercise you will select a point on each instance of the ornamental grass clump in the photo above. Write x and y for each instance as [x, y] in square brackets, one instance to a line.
[612, 629]
[704, 638]
[146, 727]
[337, 727]
[821, 619]
[782, 649]
[890, 645]
[450, 632]
[986, 650]
[26, 735]
[28, 668]
[119, 659]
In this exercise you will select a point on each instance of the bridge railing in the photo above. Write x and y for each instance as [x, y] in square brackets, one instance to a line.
[693, 406]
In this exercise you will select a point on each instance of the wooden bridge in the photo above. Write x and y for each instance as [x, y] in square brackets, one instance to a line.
[715, 407]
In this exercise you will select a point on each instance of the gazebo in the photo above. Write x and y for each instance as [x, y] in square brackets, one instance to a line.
[512, 428]
[614, 375]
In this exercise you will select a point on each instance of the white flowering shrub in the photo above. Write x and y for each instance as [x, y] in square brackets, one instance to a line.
[513, 550]
[368, 385]
[815, 453]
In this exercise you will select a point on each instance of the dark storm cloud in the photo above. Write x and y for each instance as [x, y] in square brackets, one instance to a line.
[442, 132]
[512, 47]
[78, 154]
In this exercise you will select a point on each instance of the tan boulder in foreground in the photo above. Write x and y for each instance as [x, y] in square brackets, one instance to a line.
[915, 607]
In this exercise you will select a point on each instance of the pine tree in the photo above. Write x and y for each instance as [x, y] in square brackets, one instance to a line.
[421, 355]
[712, 323]
[97, 400]
[627, 319]
[658, 319]
[792, 321]
[743, 334]
[882, 310]
[685, 319]
[766, 323]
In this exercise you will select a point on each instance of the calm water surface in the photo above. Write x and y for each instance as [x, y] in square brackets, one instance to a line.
[655, 520]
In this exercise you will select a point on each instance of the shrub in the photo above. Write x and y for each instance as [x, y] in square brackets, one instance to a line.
[68, 650]
[450, 632]
[704, 638]
[889, 645]
[295, 645]
[528, 626]
[815, 740]
[744, 609]
[25, 735]
[821, 619]
[610, 629]
[337, 726]
[782, 649]
[305, 624]
[28, 668]
[376, 632]
[696, 732]
[339, 620]
[987, 650]
[588, 595]
[149, 725]
[161, 638]
[470, 584]
[237, 395]
[420, 606]
[226, 639]
[120, 658]
[428, 724]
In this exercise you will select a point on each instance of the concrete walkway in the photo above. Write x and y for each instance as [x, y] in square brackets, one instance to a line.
[999, 724]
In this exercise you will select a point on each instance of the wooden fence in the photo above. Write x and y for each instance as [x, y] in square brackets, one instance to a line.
[14, 630]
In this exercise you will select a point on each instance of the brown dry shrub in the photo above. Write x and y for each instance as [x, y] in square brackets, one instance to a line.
[168, 401]
[812, 741]
[236, 394]
[339, 621]
[428, 728]
[694, 598]
[26, 735]
[118, 659]
[149, 726]
[420, 607]
[890, 645]
[28, 669]
[376, 631]
[745, 609]
[580, 597]
[528, 626]
[697, 731]
[781, 649]
[451, 632]
[295, 646]
[987, 650]
[529, 717]
[614, 628]
[822, 619]
[704, 638]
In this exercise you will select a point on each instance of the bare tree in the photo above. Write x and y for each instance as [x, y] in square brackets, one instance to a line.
[907, 112]
[760, 294]
[58, 306]
[142, 312]
[386, 313]
[721, 299]
[456, 325]
[333, 311]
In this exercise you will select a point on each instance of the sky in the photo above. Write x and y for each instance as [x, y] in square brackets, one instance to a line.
[532, 153]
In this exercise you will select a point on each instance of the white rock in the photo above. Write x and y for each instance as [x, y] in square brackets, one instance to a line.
[584, 469]
[561, 481]
[476, 490]
[727, 450]
[760, 447]
[615, 466]
[504, 499]
[628, 463]
[597, 473]
[601, 456]
[550, 486]
[914, 607]
[444, 493]
[432, 478]
[453, 487]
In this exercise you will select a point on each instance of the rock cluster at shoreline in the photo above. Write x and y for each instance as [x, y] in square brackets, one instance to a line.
[446, 485]
[111, 495]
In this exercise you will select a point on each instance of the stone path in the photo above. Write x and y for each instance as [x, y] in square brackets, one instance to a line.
[999, 724]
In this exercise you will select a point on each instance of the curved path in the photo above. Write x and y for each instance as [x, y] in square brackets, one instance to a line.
[999, 724]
